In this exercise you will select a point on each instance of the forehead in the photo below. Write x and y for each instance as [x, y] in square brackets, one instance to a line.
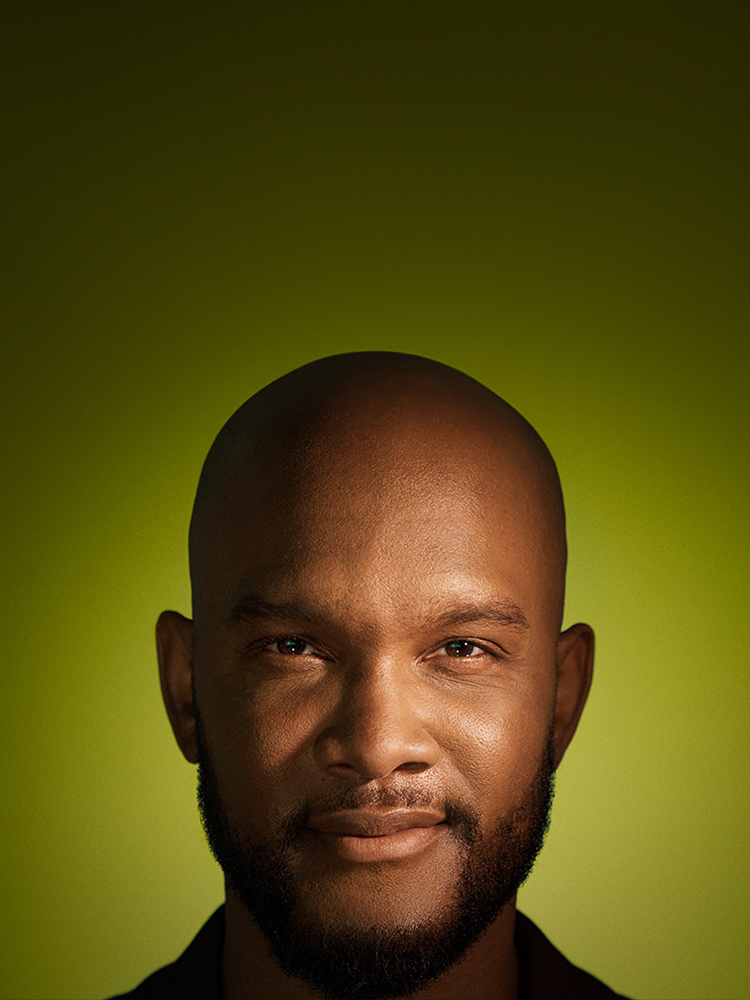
[412, 510]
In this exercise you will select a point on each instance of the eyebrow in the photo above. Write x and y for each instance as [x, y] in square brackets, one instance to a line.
[251, 608]
[500, 611]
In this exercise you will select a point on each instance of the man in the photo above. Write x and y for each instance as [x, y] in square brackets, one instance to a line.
[375, 689]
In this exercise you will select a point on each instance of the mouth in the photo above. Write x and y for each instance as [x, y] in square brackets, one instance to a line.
[378, 835]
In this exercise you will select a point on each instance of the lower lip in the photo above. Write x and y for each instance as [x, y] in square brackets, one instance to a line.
[391, 847]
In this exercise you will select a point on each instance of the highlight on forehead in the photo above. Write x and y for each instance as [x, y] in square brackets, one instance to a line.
[348, 406]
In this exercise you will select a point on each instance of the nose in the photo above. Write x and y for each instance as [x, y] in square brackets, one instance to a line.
[381, 724]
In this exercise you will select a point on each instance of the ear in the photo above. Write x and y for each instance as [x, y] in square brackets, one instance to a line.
[575, 667]
[174, 647]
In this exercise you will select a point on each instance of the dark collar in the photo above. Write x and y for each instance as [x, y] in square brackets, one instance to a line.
[546, 974]
[196, 975]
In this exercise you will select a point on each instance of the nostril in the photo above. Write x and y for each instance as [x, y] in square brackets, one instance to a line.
[414, 768]
[342, 770]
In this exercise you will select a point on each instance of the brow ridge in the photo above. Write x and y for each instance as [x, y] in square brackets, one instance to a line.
[503, 612]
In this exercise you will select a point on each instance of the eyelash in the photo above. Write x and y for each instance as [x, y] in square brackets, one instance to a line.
[262, 645]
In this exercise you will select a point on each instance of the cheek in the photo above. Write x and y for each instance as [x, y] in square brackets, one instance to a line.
[259, 738]
[497, 741]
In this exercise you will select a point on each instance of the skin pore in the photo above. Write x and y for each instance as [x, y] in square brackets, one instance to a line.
[374, 682]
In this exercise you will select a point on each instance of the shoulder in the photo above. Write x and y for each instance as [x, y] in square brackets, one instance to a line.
[546, 974]
[196, 975]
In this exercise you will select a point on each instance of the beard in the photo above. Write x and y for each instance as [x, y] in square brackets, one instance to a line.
[375, 963]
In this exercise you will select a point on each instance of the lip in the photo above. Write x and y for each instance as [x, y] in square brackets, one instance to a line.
[382, 835]
[374, 822]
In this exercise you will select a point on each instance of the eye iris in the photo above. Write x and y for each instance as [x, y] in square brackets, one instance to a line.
[459, 647]
[294, 646]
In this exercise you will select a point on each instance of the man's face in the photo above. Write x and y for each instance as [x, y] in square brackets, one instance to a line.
[374, 679]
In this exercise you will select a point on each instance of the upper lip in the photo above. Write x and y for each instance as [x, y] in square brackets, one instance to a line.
[373, 823]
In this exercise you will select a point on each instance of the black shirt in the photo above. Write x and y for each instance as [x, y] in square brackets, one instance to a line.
[545, 973]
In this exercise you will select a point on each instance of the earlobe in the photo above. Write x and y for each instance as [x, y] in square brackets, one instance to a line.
[174, 646]
[575, 666]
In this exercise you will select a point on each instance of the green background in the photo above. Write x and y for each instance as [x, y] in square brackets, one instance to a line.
[550, 196]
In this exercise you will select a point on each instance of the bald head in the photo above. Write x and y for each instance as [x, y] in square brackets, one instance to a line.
[368, 441]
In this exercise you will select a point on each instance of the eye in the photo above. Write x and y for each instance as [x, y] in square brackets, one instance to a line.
[462, 648]
[291, 645]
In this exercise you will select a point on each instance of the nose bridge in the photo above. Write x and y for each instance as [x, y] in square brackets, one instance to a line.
[379, 724]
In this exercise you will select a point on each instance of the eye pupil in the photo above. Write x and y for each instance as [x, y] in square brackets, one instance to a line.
[459, 647]
[293, 645]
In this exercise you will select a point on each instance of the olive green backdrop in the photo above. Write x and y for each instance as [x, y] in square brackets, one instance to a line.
[550, 196]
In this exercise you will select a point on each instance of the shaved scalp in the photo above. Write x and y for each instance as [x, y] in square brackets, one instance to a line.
[345, 428]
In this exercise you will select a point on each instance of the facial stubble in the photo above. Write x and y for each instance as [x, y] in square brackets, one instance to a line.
[373, 963]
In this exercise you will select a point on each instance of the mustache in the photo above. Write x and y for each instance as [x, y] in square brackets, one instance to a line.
[460, 817]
